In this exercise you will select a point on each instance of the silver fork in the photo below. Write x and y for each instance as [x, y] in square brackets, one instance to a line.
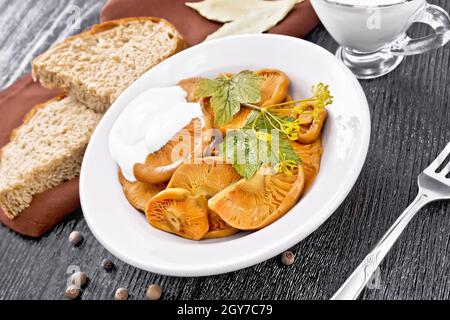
[433, 186]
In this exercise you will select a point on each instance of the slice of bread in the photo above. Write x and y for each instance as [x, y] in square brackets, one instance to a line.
[46, 150]
[97, 65]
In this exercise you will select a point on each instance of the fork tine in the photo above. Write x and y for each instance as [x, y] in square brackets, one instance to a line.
[445, 170]
[440, 158]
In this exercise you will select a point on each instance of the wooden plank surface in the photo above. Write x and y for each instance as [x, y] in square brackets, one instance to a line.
[410, 125]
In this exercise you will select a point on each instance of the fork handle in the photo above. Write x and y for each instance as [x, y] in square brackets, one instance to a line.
[351, 289]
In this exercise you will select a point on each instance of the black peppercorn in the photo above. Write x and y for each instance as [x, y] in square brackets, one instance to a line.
[107, 264]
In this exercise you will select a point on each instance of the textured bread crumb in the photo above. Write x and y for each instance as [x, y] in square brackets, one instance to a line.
[98, 65]
[44, 152]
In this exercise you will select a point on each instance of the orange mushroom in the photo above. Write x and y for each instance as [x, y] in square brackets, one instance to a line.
[255, 203]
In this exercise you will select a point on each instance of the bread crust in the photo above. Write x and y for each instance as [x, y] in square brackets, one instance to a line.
[25, 120]
[60, 164]
[108, 25]
[27, 117]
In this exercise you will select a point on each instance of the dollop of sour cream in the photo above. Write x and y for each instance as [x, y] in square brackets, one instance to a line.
[147, 124]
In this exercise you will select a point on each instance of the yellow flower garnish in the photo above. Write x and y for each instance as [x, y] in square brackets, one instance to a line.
[320, 99]
[291, 129]
[286, 166]
[300, 109]
[322, 95]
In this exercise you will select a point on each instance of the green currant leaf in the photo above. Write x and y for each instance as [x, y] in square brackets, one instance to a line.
[227, 94]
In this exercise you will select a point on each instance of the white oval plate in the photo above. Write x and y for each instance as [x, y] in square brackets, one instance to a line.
[125, 232]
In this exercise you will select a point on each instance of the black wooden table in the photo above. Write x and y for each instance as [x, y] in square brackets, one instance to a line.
[410, 125]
